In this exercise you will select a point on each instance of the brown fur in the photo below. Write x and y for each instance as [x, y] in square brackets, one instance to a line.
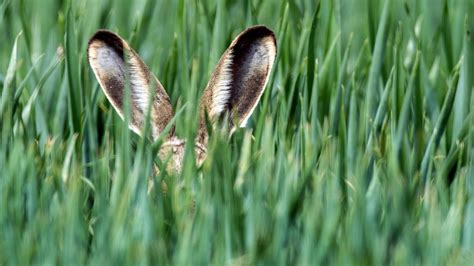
[249, 58]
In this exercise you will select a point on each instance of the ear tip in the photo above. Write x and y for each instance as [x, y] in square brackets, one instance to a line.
[262, 29]
[258, 32]
[105, 37]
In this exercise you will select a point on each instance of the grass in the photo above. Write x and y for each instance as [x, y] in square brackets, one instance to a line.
[360, 152]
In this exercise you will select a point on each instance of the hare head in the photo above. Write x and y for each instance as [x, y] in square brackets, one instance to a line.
[235, 87]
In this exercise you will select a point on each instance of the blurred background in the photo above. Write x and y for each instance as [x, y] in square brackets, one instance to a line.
[359, 152]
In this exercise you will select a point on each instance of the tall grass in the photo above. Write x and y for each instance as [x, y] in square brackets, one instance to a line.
[360, 152]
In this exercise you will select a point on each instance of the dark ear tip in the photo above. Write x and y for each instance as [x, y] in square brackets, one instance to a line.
[105, 36]
[258, 32]
[261, 30]
[108, 38]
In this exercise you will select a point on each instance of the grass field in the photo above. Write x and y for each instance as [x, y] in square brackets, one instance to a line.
[360, 152]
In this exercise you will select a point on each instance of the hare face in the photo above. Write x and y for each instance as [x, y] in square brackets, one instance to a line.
[235, 87]
[172, 151]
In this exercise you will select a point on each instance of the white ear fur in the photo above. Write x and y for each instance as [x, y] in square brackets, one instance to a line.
[140, 88]
[222, 91]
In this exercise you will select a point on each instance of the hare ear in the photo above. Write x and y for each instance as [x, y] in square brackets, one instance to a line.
[117, 66]
[239, 79]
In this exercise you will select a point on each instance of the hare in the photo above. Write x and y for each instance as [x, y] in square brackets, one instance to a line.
[235, 87]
